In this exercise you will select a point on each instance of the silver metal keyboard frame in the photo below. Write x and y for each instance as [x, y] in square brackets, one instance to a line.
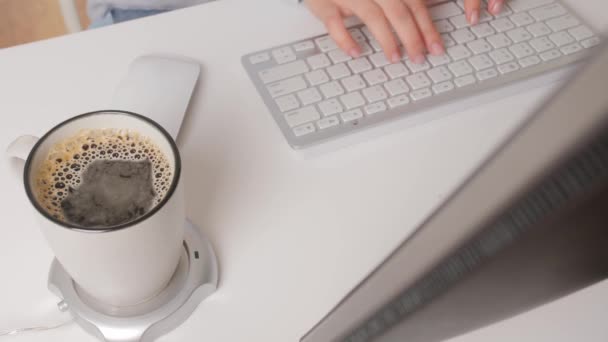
[411, 110]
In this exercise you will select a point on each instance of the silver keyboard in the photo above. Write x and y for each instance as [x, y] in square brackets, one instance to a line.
[316, 92]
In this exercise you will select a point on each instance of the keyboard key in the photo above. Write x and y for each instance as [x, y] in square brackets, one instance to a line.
[438, 60]
[327, 122]
[301, 116]
[521, 50]
[443, 26]
[561, 38]
[396, 70]
[481, 62]
[499, 40]
[283, 55]
[351, 115]
[485, 16]
[338, 56]
[458, 52]
[374, 108]
[304, 46]
[571, 48]
[357, 35]
[591, 42]
[330, 107]
[398, 101]
[562, 23]
[283, 71]
[318, 61]
[443, 87]
[542, 44]
[338, 71]
[508, 67]
[352, 100]
[317, 77]
[522, 19]
[549, 55]
[463, 36]
[367, 33]
[415, 67]
[519, 35]
[505, 12]
[303, 130]
[286, 103]
[375, 76]
[487, 74]
[529, 61]
[444, 11]
[326, 44]
[417, 81]
[524, 5]
[482, 30]
[580, 32]
[421, 94]
[460, 68]
[287, 86]
[375, 93]
[366, 49]
[547, 12]
[331, 89]
[379, 59]
[353, 83]
[479, 46]
[360, 65]
[459, 21]
[259, 58]
[501, 56]
[539, 29]
[502, 24]
[375, 45]
[396, 87]
[439, 74]
[464, 81]
[447, 40]
[309, 96]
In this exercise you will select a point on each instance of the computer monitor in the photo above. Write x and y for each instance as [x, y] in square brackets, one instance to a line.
[527, 227]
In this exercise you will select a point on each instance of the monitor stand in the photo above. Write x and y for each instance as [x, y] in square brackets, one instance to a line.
[195, 279]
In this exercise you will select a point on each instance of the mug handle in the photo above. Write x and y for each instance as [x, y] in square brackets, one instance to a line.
[18, 151]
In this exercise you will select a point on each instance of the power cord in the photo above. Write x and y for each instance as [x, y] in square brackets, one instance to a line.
[62, 306]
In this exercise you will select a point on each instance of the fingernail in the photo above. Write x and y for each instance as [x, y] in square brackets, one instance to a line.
[437, 49]
[418, 59]
[497, 7]
[354, 53]
[474, 17]
[395, 58]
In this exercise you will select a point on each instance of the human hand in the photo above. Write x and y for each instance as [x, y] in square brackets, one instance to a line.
[410, 19]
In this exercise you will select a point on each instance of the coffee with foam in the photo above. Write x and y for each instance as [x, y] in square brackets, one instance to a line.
[102, 177]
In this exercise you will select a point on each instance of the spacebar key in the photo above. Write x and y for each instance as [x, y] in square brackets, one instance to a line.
[524, 5]
[283, 71]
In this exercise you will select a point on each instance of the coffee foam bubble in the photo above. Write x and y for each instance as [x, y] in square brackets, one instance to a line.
[61, 172]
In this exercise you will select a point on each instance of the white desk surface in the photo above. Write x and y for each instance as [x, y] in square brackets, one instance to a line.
[292, 235]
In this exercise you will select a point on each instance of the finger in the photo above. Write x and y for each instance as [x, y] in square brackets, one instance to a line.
[472, 8]
[330, 15]
[432, 39]
[495, 6]
[372, 15]
[405, 25]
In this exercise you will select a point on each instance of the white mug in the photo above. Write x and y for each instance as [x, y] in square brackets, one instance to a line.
[122, 265]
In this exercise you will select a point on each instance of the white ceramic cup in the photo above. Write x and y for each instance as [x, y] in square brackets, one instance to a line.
[122, 265]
